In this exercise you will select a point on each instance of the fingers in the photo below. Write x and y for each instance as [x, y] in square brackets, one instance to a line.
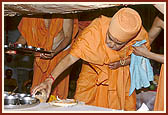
[37, 88]
[41, 55]
[111, 65]
[43, 86]
[144, 46]
[48, 91]
[34, 91]
[114, 65]
[45, 56]
[134, 49]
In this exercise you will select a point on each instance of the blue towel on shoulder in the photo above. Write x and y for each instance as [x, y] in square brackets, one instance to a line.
[141, 70]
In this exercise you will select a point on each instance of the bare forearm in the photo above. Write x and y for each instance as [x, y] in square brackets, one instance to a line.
[155, 30]
[62, 46]
[66, 62]
[156, 57]
[65, 35]
[150, 55]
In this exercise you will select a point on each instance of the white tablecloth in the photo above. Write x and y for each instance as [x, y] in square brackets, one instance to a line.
[48, 108]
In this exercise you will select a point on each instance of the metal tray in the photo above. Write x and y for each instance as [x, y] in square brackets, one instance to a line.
[25, 49]
[30, 48]
[22, 106]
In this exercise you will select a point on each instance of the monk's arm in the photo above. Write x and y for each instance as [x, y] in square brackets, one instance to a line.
[66, 62]
[156, 28]
[65, 35]
[21, 40]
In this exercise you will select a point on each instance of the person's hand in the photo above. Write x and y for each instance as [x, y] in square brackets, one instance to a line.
[141, 50]
[114, 65]
[47, 55]
[46, 85]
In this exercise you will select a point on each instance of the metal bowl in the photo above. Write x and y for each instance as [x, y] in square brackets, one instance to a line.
[27, 100]
[19, 46]
[21, 95]
[30, 47]
[5, 94]
[39, 49]
[28, 95]
[11, 100]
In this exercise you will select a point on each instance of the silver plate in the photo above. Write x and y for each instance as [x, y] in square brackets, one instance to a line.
[22, 106]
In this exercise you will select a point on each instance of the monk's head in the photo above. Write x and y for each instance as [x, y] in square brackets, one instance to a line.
[124, 26]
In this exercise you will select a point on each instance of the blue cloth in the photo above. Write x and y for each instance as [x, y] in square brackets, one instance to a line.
[141, 71]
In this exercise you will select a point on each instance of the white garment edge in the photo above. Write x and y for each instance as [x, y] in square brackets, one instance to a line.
[143, 107]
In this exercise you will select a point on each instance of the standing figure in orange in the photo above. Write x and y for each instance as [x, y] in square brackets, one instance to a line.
[104, 42]
[52, 34]
[155, 30]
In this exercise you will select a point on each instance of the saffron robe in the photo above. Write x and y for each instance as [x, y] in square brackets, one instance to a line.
[159, 100]
[37, 35]
[97, 84]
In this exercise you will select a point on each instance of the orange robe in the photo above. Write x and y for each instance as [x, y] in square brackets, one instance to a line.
[97, 84]
[159, 100]
[37, 35]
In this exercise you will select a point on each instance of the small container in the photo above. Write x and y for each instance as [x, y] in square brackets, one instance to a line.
[11, 100]
[27, 100]
[39, 49]
[5, 94]
[28, 95]
[21, 95]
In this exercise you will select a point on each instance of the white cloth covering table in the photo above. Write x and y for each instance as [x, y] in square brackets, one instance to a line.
[46, 107]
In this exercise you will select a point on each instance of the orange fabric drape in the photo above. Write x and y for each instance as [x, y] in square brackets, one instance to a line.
[159, 100]
[36, 34]
[97, 84]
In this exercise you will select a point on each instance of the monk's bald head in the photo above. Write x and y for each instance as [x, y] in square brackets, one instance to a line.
[125, 24]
